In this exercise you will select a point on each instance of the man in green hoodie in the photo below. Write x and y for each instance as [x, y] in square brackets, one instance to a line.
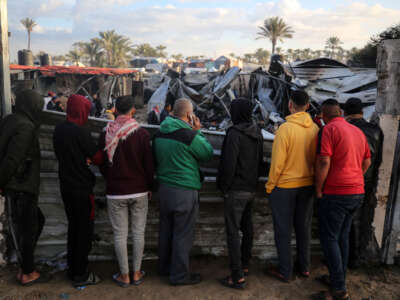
[179, 146]
[20, 178]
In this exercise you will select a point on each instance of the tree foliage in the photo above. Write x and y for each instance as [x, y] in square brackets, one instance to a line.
[275, 29]
[29, 24]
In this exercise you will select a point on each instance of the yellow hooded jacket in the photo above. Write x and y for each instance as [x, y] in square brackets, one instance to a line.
[293, 153]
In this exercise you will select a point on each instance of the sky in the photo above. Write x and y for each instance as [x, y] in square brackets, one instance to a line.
[190, 27]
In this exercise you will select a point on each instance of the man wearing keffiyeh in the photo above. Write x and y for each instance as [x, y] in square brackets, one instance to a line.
[129, 172]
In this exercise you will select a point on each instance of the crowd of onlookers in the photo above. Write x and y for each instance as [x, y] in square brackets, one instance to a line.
[336, 164]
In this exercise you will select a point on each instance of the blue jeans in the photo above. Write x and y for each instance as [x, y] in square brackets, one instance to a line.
[335, 218]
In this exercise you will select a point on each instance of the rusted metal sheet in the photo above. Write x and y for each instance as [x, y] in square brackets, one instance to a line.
[51, 71]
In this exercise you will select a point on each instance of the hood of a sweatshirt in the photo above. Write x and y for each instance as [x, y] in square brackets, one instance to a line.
[171, 124]
[302, 119]
[78, 109]
[250, 129]
[30, 104]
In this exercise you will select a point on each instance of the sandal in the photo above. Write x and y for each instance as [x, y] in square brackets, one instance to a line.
[43, 278]
[92, 279]
[119, 282]
[333, 295]
[228, 282]
[324, 279]
[277, 275]
[139, 281]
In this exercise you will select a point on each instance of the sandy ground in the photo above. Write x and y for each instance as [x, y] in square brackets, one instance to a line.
[375, 282]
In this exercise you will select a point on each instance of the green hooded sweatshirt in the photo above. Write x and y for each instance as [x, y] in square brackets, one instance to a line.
[178, 150]
[19, 145]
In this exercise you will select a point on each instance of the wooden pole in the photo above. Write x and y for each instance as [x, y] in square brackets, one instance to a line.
[388, 107]
[5, 85]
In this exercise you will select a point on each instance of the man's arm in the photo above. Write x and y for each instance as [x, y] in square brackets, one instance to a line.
[148, 159]
[366, 164]
[15, 154]
[278, 159]
[322, 166]
[201, 148]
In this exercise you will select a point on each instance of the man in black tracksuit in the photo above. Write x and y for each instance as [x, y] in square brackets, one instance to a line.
[20, 177]
[241, 159]
[362, 234]
[75, 150]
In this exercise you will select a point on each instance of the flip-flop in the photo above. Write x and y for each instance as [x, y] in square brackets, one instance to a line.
[323, 295]
[92, 279]
[228, 282]
[43, 278]
[119, 282]
[140, 281]
[276, 274]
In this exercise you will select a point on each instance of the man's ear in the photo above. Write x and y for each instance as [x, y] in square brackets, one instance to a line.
[307, 106]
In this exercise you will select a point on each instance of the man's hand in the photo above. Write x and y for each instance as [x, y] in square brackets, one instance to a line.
[319, 194]
[197, 124]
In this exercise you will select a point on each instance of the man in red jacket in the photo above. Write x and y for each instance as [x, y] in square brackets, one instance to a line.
[129, 173]
[343, 157]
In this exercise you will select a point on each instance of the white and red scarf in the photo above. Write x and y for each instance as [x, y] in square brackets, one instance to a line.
[118, 130]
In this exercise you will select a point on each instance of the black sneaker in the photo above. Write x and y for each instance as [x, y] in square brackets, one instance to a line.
[191, 280]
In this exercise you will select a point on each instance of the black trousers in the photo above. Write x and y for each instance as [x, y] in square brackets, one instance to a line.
[362, 233]
[178, 214]
[238, 217]
[79, 208]
[28, 222]
[292, 208]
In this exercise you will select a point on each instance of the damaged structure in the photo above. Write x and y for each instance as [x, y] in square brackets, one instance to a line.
[87, 81]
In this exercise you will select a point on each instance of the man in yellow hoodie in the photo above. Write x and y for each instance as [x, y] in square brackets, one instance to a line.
[290, 186]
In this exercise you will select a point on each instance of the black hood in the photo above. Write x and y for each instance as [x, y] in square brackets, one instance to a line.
[241, 111]
[30, 104]
[250, 129]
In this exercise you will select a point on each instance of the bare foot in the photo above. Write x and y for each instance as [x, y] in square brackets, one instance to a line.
[26, 278]
[124, 278]
[137, 275]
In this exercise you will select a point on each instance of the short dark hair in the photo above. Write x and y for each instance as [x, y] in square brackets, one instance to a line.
[300, 98]
[330, 108]
[330, 102]
[124, 104]
[353, 106]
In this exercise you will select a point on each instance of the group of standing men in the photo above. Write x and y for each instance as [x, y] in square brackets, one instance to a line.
[329, 162]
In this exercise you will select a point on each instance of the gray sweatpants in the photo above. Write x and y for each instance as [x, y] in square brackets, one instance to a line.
[118, 211]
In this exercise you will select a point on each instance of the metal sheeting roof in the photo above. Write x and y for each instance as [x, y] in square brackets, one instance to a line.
[51, 71]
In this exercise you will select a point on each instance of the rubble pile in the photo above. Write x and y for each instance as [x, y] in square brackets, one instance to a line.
[212, 93]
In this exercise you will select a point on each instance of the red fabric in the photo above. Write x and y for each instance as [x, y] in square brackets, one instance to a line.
[98, 158]
[348, 148]
[78, 109]
[318, 121]
[132, 170]
[91, 198]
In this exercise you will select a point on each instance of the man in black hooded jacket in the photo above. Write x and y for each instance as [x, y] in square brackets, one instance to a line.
[238, 174]
[362, 233]
[20, 178]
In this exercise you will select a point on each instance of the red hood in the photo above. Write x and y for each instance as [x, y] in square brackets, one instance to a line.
[78, 109]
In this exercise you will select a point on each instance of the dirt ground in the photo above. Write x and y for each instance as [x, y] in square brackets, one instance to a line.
[380, 283]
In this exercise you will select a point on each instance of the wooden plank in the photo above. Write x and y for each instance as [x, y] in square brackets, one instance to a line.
[5, 85]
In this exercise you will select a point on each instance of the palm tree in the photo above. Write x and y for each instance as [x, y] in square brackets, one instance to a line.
[262, 56]
[94, 53]
[275, 29]
[29, 24]
[178, 56]
[160, 51]
[332, 44]
[74, 56]
[116, 47]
